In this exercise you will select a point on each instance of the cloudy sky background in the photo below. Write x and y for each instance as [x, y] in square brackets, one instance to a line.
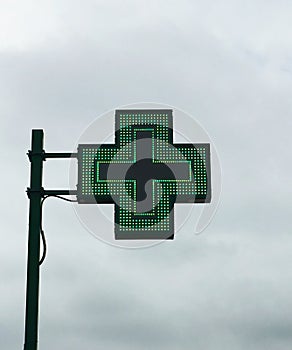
[229, 64]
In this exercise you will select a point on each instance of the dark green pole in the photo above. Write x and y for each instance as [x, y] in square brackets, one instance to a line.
[35, 196]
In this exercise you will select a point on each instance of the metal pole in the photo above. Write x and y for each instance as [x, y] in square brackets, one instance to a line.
[35, 196]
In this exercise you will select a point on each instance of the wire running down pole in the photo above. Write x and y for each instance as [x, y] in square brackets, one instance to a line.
[32, 288]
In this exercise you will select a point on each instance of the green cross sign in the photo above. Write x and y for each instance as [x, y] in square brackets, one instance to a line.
[144, 174]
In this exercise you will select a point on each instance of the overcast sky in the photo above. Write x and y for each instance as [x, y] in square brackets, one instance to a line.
[229, 64]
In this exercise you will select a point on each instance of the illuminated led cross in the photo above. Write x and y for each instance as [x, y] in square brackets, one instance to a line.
[144, 174]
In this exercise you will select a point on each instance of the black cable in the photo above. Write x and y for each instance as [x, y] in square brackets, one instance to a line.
[41, 225]
[43, 233]
[44, 247]
[63, 198]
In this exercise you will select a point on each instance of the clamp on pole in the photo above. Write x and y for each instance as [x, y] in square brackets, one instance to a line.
[29, 191]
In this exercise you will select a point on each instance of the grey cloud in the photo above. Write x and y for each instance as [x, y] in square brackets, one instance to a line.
[229, 288]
